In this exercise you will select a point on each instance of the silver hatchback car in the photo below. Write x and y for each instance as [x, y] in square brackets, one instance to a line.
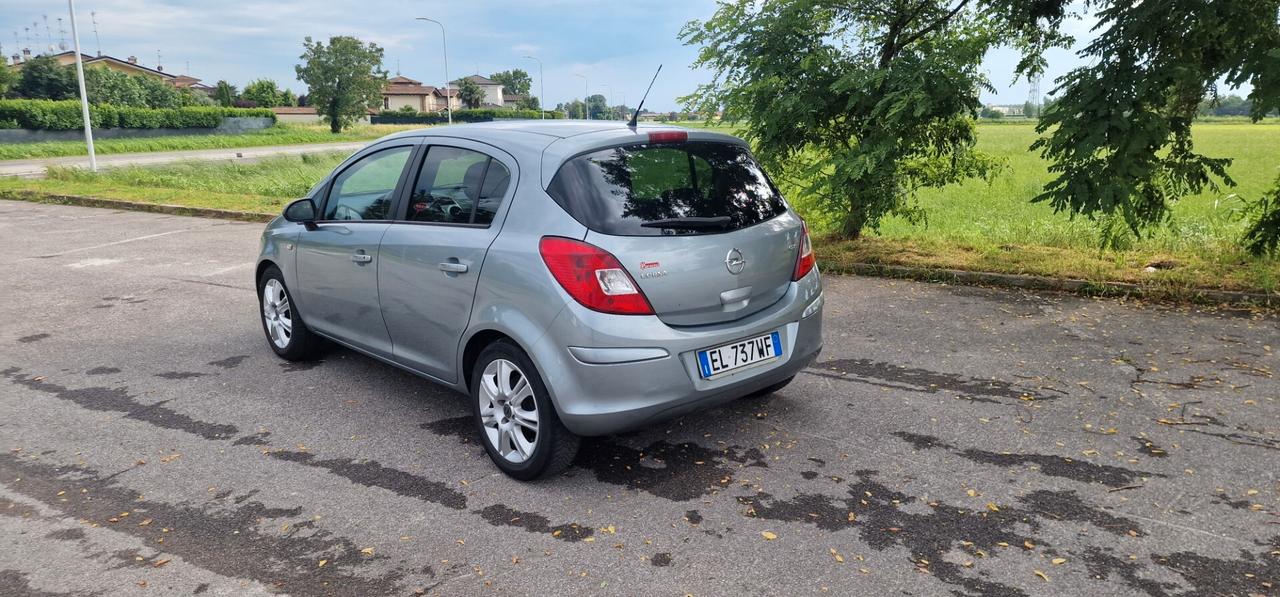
[573, 278]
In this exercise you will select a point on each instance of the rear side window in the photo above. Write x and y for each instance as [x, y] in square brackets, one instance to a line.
[458, 186]
[618, 190]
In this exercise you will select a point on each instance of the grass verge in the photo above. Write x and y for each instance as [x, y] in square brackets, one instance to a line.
[261, 186]
[282, 134]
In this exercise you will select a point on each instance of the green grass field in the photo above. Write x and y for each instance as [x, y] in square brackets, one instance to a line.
[995, 227]
[973, 226]
[282, 134]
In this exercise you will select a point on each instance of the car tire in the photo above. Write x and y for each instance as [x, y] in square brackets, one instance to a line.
[771, 389]
[286, 334]
[506, 390]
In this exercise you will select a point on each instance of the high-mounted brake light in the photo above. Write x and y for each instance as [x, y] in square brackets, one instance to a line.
[806, 259]
[593, 277]
[668, 137]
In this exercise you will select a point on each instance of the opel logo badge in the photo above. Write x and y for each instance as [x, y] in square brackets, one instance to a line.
[735, 262]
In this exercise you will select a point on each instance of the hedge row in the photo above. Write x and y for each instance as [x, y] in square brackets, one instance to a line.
[64, 115]
[479, 115]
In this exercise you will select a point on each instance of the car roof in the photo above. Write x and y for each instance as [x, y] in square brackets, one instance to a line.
[554, 141]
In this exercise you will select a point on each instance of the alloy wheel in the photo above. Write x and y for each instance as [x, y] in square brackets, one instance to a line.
[277, 313]
[508, 411]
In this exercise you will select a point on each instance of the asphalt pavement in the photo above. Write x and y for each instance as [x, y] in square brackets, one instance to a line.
[949, 441]
[36, 167]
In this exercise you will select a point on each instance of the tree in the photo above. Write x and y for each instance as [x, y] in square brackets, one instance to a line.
[157, 93]
[598, 108]
[1119, 134]
[859, 103]
[225, 94]
[470, 94]
[529, 102]
[574, 109]
[514, 81]
[263, 92]
[8, 79]
[43, 78]
[105, 86]
[343, 79]
[287, 98]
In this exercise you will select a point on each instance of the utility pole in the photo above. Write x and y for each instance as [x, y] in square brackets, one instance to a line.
[84, 98]
[1033, 97]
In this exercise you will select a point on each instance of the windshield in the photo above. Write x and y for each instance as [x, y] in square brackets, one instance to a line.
[618, 190]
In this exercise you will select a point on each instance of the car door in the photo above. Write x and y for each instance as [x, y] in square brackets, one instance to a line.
[337, 258]
[430, 258]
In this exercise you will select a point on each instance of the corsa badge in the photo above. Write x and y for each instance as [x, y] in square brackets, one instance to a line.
[649, 269]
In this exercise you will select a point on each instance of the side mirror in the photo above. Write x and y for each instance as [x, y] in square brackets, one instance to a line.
[302, 211]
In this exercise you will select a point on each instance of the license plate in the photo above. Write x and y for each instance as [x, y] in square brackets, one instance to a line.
[714, 362]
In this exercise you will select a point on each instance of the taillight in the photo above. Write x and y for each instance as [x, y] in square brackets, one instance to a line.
[593, 277]
[805, 260]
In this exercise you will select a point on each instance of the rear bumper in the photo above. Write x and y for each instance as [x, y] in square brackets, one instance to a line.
[610, 373]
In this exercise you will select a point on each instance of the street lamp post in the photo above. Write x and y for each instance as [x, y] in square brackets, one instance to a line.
[84, 98]
[542, 89]
[444, 43]
[586, 89]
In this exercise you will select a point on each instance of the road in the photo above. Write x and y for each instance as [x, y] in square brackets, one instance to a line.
[950, 440]
[35, 168]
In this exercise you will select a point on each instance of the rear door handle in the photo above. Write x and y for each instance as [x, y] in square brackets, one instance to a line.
[361, 258]
[453, 268]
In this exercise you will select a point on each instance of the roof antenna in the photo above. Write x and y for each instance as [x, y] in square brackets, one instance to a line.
[93, 16]
[636, 115]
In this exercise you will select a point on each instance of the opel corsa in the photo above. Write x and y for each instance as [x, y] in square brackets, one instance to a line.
[573, 278]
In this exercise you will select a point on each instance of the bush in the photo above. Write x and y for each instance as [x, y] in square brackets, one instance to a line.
[1263, 234]
[480, 115]
[64, 115]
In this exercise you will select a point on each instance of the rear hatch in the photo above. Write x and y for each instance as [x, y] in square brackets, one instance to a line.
[697, 224]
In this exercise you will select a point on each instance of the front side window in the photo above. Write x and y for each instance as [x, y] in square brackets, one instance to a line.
[458, 186]
[637, 189]
[364, 190]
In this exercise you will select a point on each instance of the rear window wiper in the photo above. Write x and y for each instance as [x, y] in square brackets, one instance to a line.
[690, 223]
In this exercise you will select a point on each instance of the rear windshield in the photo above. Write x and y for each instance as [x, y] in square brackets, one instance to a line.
[614, 191]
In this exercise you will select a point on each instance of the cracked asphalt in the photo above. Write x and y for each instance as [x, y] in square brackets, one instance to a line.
[950, 441]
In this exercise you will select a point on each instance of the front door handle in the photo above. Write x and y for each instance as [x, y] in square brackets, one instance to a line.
[361, 258]
[453, 267]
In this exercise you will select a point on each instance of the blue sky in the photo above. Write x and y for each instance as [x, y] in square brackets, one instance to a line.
[617, 50]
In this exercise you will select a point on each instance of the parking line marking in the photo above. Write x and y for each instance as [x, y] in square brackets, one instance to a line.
[110, 244]
[224, 270]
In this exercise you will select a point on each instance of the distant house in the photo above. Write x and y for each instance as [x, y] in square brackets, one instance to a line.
[492, 89]
[1007, 110]
[403, 92]
[128, 66]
